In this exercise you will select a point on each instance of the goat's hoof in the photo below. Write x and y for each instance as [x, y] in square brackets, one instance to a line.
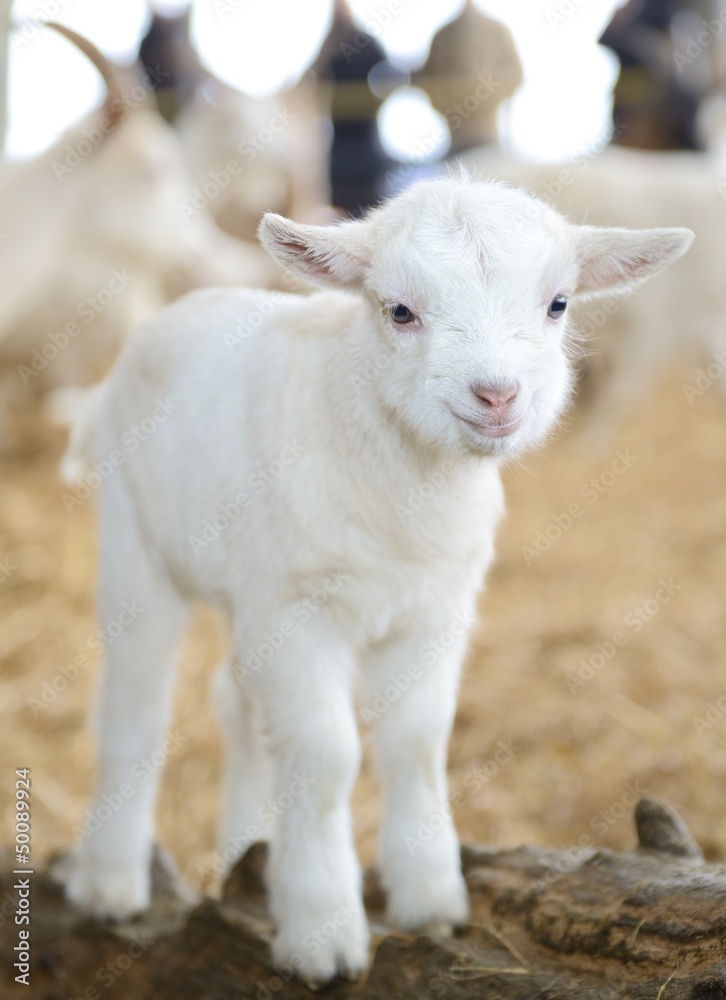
[349, 975]
[108, 892]
[438, 928]
[337, 949]
[431, 906]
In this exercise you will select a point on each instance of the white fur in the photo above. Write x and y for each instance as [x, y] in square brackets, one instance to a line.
[351, 415]
[677, 319]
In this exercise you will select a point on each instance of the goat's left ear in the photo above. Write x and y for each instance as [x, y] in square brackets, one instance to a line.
[337, 255]
[620, 258]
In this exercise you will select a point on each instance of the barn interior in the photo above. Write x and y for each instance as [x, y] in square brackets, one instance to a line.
[595, 673]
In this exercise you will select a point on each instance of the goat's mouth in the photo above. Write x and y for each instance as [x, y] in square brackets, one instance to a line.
[491, 428]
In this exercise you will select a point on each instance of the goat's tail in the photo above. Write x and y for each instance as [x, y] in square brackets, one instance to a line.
[82, 444]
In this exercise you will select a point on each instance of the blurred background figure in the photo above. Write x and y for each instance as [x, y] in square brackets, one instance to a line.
[656, 97]
[168, 57]
[236, 108]
[348, 60]
[472, 67]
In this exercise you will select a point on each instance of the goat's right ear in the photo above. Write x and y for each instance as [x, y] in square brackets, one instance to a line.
[338, 255]
[622, 258]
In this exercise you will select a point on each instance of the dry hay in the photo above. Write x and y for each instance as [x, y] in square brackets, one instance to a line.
[575, 757]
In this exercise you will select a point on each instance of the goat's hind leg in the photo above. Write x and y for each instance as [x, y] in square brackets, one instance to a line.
[141, 616]
[247, 782]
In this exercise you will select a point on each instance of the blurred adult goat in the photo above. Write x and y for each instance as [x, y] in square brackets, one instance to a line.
[93, 239]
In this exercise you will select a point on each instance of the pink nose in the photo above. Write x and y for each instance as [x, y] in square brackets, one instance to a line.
[495, 397]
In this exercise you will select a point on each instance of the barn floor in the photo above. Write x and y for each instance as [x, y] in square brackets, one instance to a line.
[554, 739]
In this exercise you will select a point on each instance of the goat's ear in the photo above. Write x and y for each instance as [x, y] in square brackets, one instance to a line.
[621, 258]
[338, 254]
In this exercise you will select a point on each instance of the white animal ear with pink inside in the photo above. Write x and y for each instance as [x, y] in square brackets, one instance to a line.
[337, 255]
[618, 259]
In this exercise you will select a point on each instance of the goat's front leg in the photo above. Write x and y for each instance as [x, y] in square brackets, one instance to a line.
[304, 692]
[412, 682]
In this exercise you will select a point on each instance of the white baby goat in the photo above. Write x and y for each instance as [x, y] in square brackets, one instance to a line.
[282, 439]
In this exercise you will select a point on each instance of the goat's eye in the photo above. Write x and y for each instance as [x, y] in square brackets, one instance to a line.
[557, 307]
[401, 314]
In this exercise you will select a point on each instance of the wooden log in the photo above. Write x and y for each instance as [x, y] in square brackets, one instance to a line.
[649, 924]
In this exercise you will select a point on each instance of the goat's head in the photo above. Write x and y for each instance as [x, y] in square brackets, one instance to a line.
[470, 284]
